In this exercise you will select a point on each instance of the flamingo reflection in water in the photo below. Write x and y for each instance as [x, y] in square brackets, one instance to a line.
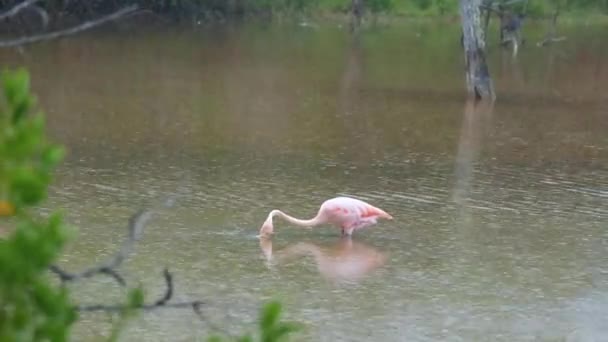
[345, 260]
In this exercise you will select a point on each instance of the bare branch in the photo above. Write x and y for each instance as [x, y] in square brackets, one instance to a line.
[550, 40]
[169, 293]
[61, 33]
[17, 8]
[137, 222]
[66, 277]
[194, 305]
[162, 302]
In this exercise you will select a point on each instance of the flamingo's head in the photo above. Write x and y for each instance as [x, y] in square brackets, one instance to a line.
[267, 229]
[266, 246]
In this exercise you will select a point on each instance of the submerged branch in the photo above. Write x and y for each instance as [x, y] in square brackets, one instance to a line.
[66, 276]
[550, 40]
[73, 30]
[195, 305]
[162, 302]
[137, 223]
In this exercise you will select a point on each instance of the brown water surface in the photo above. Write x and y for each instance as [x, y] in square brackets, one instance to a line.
[501, 214]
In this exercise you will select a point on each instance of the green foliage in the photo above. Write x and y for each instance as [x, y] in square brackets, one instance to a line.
[446, 6]
[423, 4]
[31, 308]
[376, 6]
[300, 5]
[334, 5]
[27, 160]
[238, 8]
[272, 329]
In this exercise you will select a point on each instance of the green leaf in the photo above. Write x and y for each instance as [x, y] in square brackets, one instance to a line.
[21, 108]
[246, 338]
[16, 86]
[26, 188]
[52, 155]
[270, 315]
[32, 308]
[136, 298]
[285, 329]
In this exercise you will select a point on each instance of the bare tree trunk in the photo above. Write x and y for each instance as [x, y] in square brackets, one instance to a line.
[510, 30]
[479, 83]
[356, 14]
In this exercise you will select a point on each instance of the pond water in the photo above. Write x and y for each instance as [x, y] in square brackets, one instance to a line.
[500, 214]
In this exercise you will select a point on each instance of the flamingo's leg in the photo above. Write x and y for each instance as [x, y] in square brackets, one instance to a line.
[347, 228]
[363, 223]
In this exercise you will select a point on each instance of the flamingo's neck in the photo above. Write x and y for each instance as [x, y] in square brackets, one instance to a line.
[303, 223]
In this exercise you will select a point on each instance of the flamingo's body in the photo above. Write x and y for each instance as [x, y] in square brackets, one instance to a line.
[348, 214]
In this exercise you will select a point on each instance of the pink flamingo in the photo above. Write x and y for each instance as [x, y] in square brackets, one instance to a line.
[347, 213]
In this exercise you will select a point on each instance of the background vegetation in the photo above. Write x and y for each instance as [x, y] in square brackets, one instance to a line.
[227, 9]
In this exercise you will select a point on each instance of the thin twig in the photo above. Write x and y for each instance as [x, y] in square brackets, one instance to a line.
[195, 305]
[169, 293]
[162, 302]
[137, 222]
[17, 8]
[66, 277]
[550, 40]
[61, 33]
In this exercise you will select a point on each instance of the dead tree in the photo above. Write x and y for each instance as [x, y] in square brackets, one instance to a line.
[510, 30]
[356, 14]
[551, 37]
[478, 81]
[510, 23]
[137, 223]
